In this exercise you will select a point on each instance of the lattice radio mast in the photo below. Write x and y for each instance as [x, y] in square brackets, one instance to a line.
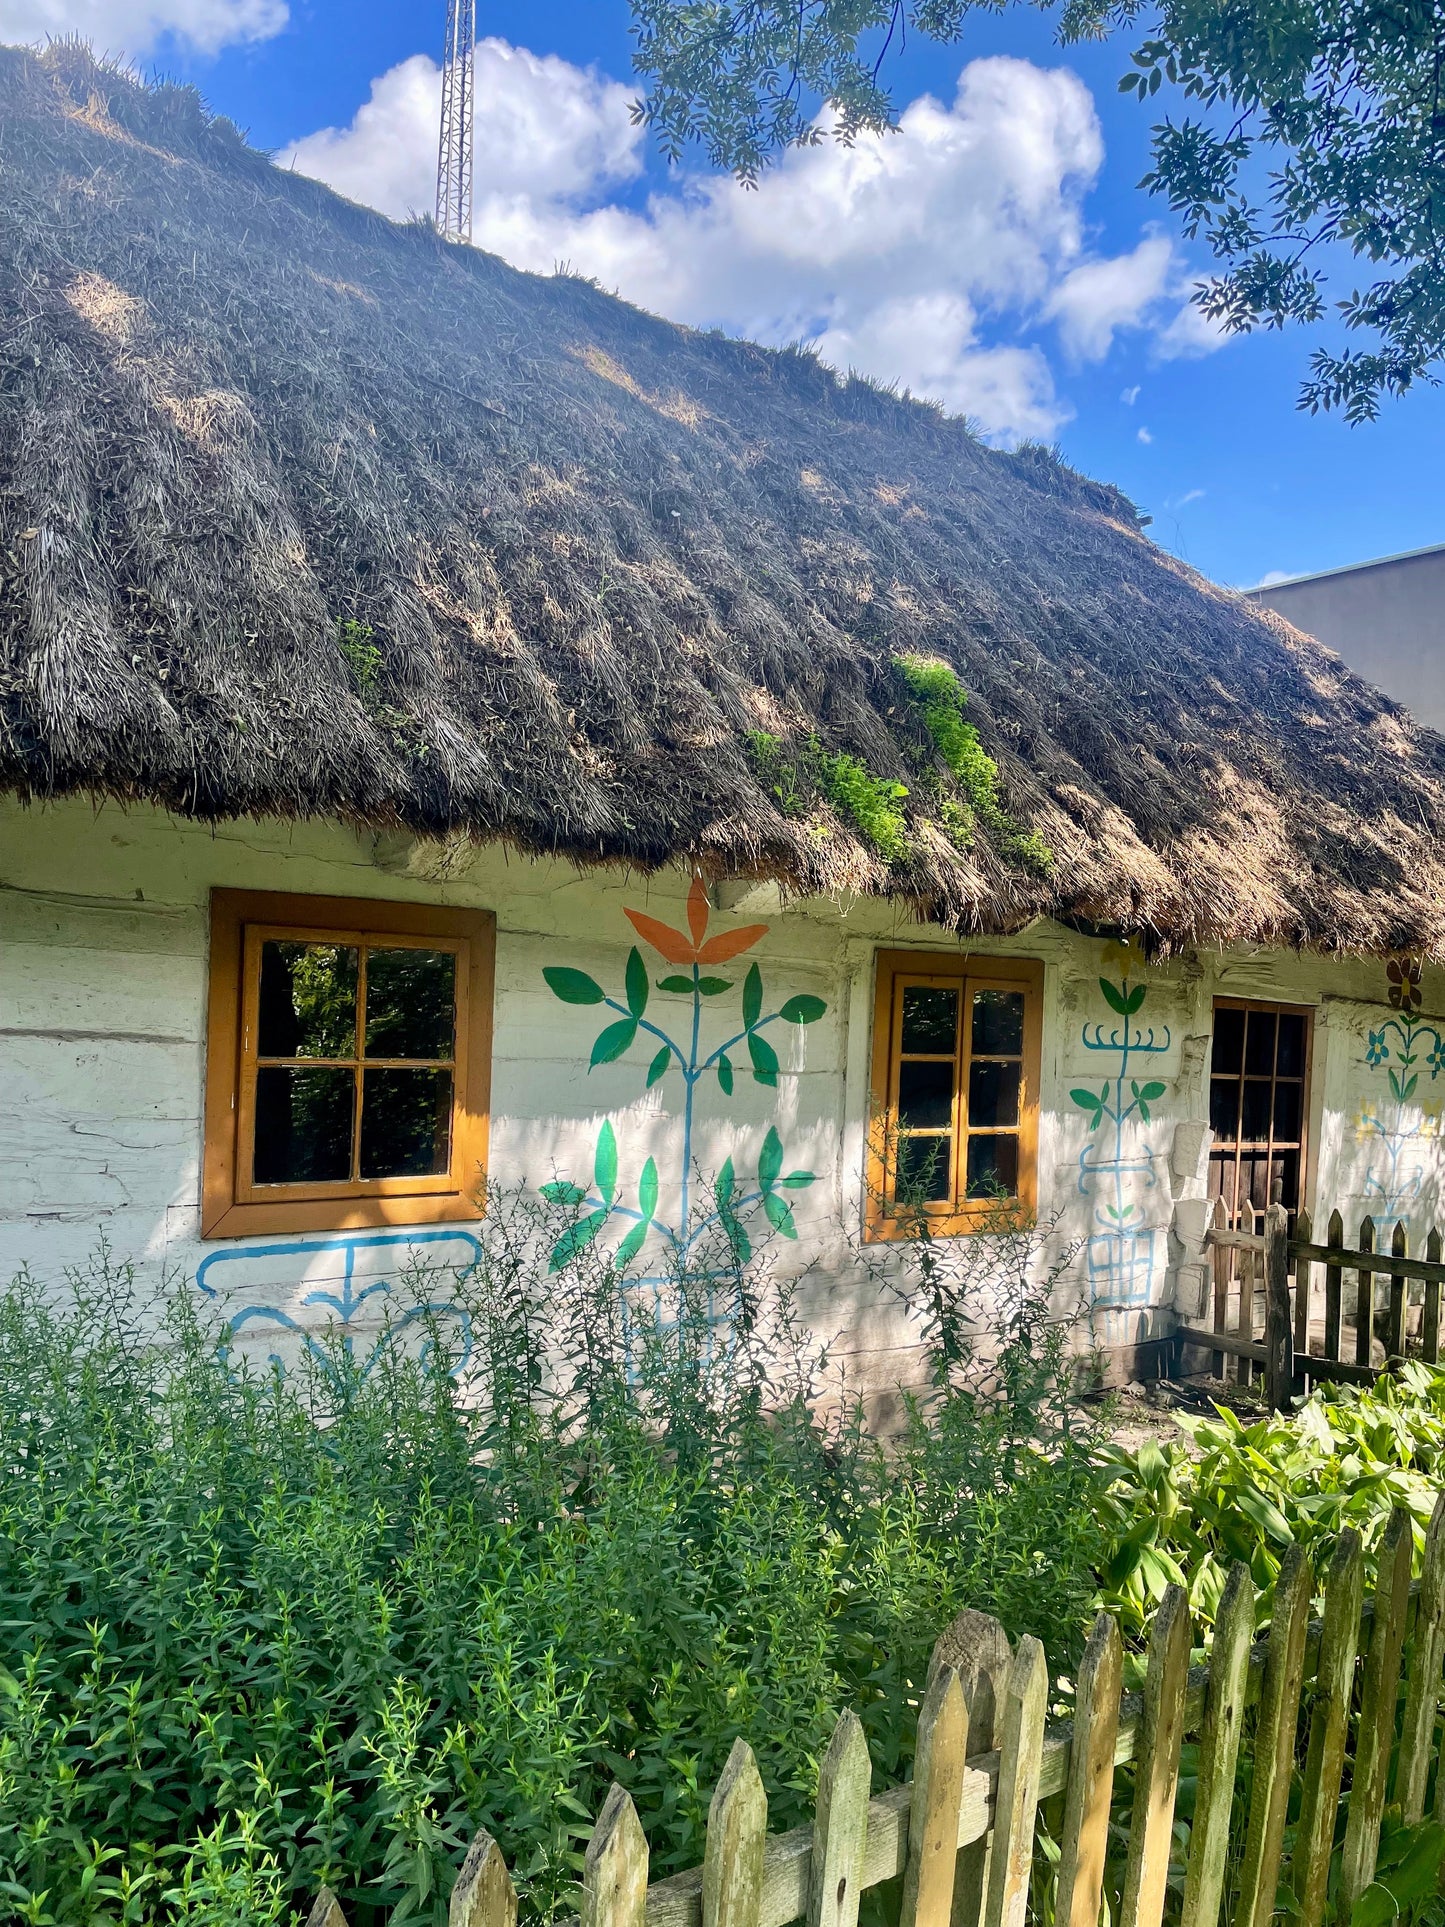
[454, 150]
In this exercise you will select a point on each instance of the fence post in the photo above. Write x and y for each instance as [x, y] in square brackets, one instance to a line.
[1303, 1289]
[1219, 1221]
[1365, 1297]
[1156, 1770]
[326, 1911]
[977, 1648]
[1430, 1316]
[1335, 1238]
[1395, 1329]
[1219, 1751]
[1278, 1337]
[840, 1827]
[1329, 1727]
[1274, 1740]
[1021, 1756]
[614, 1869]
[1091, 1778]
[1378, 1695]
[1417, 1733]
[737, 1832]
[484, 1895]
[938, 1763]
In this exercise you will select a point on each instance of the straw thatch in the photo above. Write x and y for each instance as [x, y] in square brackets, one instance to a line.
[593, 552]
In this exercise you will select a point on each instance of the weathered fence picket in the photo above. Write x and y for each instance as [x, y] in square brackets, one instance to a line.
[970, 1807]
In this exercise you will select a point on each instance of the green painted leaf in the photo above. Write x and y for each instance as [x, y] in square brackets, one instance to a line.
[604, 1167]
[802, 1010]
[636, 982]
[576, 1238]
[1153, 1090]
[725, 1186]
[780, 1214]
[764, 1059]
[752, 996]
[1087, 1100]
[647, 1190]
[1134, 999]
[1114, 996]
[770, 1159]
[1143, 1110]
[725, 1074]
[573, 986]
[713, 986]
[677, 986]
[613, 1041]
[658, 1067]
[1409, 1090]
[799, 1180]
[563, 1193]
[631, 1245]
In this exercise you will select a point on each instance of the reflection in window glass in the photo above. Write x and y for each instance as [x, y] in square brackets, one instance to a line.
[307, 1003]
[925, 1096]
[930, 1020]
[924, 1176]
[993, 1094]
[993, 1166]
[1228, 1040]
[410, 1003]
[1259, 1044]
[303, 1125]
[998, 1023]
[406, 1119]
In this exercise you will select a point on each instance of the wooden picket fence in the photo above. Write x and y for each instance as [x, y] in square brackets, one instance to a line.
[962, 1833]
[1290, 1296]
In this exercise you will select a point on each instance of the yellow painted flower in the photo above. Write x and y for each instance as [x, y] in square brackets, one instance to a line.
[1124, 955]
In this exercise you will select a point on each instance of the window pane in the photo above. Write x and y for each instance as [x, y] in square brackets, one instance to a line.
[998, 1023]
[1224, 1107]
[410, 1003]
[925, 1096]
[1287, 1112]
[1228, 1040]
[406, 1124]
[930, 1020]
[1254, 1127]
[307, 1005]
[1291, 1047]
[1259, 1043]
[923, 1174]
[303, 1125]
[993, 1093]
[993, 1167]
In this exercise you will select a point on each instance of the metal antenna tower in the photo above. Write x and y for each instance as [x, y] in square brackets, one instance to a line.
[454, 150]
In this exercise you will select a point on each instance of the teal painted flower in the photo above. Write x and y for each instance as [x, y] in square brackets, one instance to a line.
[1436, 1058]
[1378, 1050]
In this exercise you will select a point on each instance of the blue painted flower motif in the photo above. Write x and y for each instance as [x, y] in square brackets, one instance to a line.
[1378, 1050]
[1436, 1058]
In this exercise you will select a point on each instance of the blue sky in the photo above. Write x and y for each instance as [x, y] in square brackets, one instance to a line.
[998, 253]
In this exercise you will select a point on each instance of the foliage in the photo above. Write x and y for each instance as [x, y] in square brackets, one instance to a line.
[361, 655]
[869, 801]
[1345, 1459]
[1319, 140]
[265, 1632]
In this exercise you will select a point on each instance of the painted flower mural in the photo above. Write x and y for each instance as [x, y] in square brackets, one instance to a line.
[1398, 1130]
[734, 1203]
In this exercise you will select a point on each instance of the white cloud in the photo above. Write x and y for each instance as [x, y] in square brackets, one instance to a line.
[1190, 335]
[139, 26]
[1130, 396]
[1270, 577]
[924, 257]
[1145, 436]
[1190, 495]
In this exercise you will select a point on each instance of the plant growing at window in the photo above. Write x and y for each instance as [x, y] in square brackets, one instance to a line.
[735, 1202]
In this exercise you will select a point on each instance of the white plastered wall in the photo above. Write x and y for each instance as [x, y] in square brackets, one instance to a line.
[103, 939]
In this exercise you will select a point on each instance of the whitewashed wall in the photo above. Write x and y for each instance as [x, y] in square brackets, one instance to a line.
[103, 936]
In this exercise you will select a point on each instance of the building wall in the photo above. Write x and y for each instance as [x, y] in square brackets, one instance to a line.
[103, 940]
[1387, 619]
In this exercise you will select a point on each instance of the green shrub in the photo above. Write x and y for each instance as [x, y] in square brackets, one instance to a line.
[869, 802]
[261, 1633]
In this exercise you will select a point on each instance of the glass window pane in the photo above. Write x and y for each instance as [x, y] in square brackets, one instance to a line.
[923, 1175]
[410, 1003]
[1254, 1127]
[993, 1093]
[998, 1023]
[993, 1167]
[930, 1020]
[307, 1004]
[1228, 1040]
[406, 1124]
[1259, 1043]
[1287, 1112]
[925, 1096]
[1291, 1058]
[1224, 1107]
[303, 1125]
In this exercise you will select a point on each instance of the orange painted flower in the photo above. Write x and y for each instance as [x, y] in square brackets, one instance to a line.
[698, 947]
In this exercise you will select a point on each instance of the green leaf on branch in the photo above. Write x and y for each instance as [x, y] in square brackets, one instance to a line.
[770, 1159]
[713, 986]
[604, 1168]
[752, 996]
[764, 1059]
[576, 1238]
[802, 1010]
[636, 982]
[613, 1041]
[677, 986]
[573, 986]
[631, 1244]
[780, 1214]
[1089, 1100]
[725, 1074]
[658, 1067]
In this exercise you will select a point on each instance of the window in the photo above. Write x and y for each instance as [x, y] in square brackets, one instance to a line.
[1258, 1106]
[348, 1061]
[955, 1090]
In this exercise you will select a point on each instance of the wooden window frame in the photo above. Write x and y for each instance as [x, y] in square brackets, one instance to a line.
[896, 970]
[232, 1205]
[1309, 1012]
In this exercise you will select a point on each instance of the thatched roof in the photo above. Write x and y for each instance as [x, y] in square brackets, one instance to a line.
[306, 513]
